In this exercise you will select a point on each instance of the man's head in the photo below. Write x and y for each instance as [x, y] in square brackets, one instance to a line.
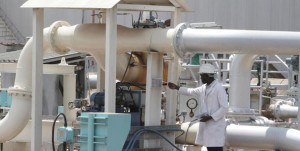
[207, 73]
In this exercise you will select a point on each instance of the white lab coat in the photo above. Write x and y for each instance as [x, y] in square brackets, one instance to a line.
[212, 100]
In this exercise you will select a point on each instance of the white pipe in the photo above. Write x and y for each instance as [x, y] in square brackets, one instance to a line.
[89, 38]
[92, 81]
[266, 138]
[285, 111]
[19, 113]
[69, 96]
[250, 137]
[240, 41]
[240, 82]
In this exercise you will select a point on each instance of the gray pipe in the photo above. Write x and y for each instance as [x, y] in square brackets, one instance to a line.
[189, 40]
[285, 111]
[250, 137]
[267, 138]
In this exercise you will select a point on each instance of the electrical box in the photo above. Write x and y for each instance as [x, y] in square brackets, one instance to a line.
[5, 99]
[65, 134]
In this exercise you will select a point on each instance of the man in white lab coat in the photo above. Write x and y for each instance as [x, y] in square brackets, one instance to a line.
[213, 107]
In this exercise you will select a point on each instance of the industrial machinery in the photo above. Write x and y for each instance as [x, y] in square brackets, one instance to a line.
[139, 112]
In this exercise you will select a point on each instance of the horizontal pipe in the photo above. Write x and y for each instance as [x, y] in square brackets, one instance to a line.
[286, 111]
[266, 138]
[249, 137]
[89, 38]
[240, 41]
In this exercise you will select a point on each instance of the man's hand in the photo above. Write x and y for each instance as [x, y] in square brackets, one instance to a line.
[205, 118]
[173, 86]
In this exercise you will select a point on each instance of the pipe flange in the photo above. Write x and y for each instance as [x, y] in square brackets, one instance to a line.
[178, 40]
[17, 91]
[53, 29]
[276, 110]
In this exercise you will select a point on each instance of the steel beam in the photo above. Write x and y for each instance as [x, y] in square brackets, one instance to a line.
[37, 78]
[110, 59]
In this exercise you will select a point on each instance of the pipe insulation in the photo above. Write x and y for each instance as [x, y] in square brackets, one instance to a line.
[249, 137]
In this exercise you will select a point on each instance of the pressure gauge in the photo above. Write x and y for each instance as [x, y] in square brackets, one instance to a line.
[192, 103]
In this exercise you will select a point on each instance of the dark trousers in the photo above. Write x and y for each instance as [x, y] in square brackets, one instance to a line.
[214, 148]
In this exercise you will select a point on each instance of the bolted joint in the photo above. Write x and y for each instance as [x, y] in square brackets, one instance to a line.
[20, 92]
[52, 30]
[178, 41]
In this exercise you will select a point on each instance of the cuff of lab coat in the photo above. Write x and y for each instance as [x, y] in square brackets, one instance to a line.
[215, 117]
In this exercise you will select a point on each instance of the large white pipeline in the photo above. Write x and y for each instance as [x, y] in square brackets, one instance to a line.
[266, 138]
[90, 39]
[238, 41]
[250, 137]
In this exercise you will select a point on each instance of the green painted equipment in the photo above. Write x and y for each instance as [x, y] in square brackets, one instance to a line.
[5, 99]
[103, 131]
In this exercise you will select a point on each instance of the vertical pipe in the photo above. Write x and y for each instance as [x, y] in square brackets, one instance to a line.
[93, 16]
[172, 77]
[91, 132]
[240, 82]
[110, 59]
[69, 95]
[171, 97]
[37, 84]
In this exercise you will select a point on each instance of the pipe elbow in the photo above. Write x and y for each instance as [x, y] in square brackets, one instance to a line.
[17, 118]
